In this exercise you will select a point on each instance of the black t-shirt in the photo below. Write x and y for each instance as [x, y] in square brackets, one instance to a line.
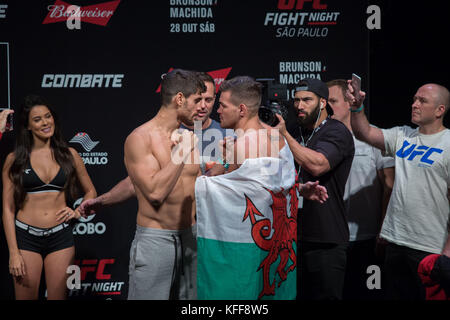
[327, 222]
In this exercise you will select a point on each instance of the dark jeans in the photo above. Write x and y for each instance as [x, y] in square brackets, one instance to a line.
[361, 255]
[322, 270]
[402, 280]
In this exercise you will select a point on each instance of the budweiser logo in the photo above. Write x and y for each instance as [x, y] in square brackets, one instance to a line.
[97, 14]
[218, 75]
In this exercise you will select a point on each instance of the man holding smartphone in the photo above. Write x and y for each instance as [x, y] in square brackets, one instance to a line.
[3, 120]
[367, 193]
[417, 219]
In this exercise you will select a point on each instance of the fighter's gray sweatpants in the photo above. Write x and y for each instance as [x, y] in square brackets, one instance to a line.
[163, 264]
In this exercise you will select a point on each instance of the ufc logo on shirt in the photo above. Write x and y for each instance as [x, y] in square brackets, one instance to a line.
[412, 150]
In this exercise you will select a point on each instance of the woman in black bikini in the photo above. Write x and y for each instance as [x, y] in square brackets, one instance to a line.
[38, 179]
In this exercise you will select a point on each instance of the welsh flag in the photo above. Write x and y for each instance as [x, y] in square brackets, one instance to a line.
[247, 231]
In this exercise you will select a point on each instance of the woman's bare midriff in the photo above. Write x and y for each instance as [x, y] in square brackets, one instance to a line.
[40, 209]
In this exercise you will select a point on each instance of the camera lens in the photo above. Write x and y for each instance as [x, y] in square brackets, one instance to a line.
[267, 115]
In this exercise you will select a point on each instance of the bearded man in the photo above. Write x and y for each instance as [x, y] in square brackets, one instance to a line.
[323, 151]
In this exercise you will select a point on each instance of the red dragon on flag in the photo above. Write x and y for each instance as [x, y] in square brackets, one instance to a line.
[281, 242]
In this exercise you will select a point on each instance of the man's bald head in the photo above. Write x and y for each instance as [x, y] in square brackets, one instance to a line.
[440, 94]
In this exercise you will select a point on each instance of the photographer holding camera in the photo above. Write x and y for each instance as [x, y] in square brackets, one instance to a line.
[324, 151]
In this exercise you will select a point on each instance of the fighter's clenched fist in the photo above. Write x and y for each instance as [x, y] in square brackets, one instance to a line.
[183, 143]
[227, 149]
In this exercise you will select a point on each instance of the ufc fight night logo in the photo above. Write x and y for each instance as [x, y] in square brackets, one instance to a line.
[91, 277]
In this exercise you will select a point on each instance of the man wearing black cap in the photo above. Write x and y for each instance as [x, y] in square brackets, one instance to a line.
[323, 151]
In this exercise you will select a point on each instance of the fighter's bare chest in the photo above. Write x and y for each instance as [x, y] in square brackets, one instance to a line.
[190, 164]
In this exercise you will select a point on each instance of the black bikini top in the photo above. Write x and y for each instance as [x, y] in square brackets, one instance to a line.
[33, 184]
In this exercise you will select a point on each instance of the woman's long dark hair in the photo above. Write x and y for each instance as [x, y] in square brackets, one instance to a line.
[22, 151]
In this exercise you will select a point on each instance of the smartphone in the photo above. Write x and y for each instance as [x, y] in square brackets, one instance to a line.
[9, 122]
[356, 84]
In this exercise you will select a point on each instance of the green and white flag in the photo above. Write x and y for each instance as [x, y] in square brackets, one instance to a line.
[247, 231]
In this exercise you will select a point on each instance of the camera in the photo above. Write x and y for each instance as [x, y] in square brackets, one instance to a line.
[267, 113]
[274, 95]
